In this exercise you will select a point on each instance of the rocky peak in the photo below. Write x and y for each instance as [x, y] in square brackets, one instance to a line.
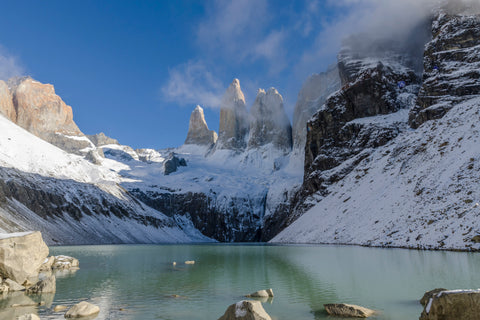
[451, 62]
[310, 99]
[233, 118]
[269, 123]
[100, 139]
[198, 132]
[6, 102]
[43, 113]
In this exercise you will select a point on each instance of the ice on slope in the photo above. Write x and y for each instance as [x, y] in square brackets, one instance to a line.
[422, 190]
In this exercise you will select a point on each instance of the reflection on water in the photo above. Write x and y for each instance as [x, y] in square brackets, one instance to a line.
[140, 281]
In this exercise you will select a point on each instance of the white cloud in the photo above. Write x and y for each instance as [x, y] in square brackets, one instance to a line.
[9, 65]
[192, 83]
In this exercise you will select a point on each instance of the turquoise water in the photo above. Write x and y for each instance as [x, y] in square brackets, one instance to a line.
[138, 281]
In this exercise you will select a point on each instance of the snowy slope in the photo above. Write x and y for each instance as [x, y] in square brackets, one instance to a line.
[421, 190]
[72, 200]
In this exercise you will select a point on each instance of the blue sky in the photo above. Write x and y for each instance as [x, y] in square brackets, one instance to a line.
[136, 69]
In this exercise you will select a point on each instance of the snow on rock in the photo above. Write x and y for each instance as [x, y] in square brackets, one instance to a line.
[419, 191]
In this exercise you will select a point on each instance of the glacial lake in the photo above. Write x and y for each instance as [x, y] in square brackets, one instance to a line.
[139, 281]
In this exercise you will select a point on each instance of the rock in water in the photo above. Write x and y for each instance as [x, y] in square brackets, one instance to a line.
[348, 310]
[269, 123]
[429, 294]
[47, 285]
[6, 102]
[21, 255]
[198, 132]
[82, 309]
[47, 264]
[261, 294]
[246, 310]
[453, 305]
[451, 63]
[43, 113]
[234, 122]
[65, 263]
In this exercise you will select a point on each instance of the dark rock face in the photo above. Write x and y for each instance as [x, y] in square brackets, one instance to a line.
[238, 220]
[451, 63]
[172, 163]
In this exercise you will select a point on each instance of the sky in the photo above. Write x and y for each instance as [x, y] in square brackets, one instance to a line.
[135, 70]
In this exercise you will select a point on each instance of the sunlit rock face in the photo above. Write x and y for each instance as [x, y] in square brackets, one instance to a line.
[6, 102]
[43, 113]
[270, 124]
[234, 122]
[100, 139]
[310, 99]
[198, 132]
[451, 62]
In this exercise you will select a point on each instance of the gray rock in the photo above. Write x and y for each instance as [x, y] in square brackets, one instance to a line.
[13, 286]
[453, 305]
[245, 310]
[234, 121]
[269, 123]
[22, 255]
[65, 263]
[100, 139]
[47, 285]
[198, 132]
[82, 309]
[348, 310]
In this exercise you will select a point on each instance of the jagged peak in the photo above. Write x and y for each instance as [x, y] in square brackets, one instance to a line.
[198, 109]
[233, 94]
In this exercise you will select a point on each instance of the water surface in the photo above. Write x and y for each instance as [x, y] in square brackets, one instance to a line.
[138, 281]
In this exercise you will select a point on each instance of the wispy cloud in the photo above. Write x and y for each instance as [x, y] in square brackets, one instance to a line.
[10, 65]
[192, 83]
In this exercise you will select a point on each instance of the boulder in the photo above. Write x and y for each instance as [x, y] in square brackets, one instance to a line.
[190, 262]
[30, 316]
[348, 310]
[234, 121]
[198, 132]
[4, 288]
[270, 124]
[261, 294]
[429, 294]
[13, 286]
[172, 163]
[65, 263]
[60, 308]
[453, 305]
[246, 310]
[47, 285]
[47, 264]
[21, 255]
[82, 309]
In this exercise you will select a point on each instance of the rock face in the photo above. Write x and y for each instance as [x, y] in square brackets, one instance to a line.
[429, 294]
[310, 99]
[348, 310]
[198, 132]
[13, 286]
[245, 310]
[6, 102]
[43, 113]
[47, 285]
[22, 255]
[172, 163]
[269, 122]
[30, 316]
[234, 122]
[82, 309]
[100, 139]
[453, 305]
[451, 63]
